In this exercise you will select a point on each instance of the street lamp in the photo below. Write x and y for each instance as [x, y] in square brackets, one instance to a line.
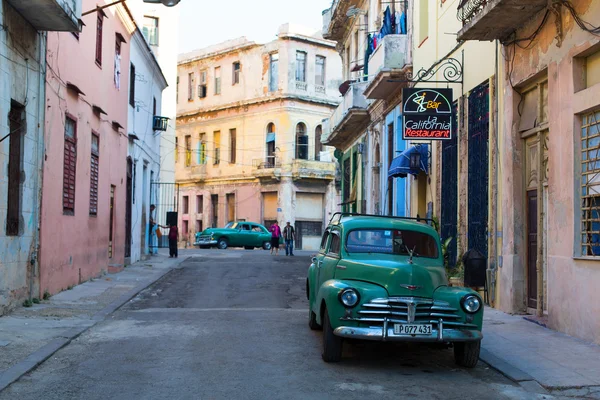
[167, 3]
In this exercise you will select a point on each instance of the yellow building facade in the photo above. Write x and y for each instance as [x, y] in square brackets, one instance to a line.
[249, 126]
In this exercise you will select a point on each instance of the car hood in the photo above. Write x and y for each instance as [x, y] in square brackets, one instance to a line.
[220, 231]
[395, 273]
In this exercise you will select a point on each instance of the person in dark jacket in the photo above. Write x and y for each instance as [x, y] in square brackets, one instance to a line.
[173, 237]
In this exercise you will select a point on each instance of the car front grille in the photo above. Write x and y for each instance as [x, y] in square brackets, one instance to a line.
[409, 310]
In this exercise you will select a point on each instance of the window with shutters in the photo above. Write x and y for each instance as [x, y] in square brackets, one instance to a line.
[69, 165]
[202, 149]
[232, 145]
[15, 160]
[217, 140]
[99, 28]
[150, 30]
[188, 151]
[132, 85]
[190, 86]
[94, 173]
[217, 80]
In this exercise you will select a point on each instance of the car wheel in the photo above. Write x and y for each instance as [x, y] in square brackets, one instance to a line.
[467, 354]
[222, 243]
[266, 246]
[332, 345]
[249, 247]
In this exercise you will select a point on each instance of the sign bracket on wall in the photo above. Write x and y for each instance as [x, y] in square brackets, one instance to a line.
[451, 69]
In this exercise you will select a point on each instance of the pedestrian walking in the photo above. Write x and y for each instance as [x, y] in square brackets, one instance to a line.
[275, 237]
[173, 238]
[155, 233]
[289, 235]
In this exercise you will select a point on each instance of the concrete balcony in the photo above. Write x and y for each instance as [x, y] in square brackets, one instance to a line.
[193, 173]
[390, 61]
[349, 120]
[308, 169]
[335, 20]
[50, 15]
[267, 168]
[487, 20]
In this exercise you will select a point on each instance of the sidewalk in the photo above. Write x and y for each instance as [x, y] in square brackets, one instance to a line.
[28, 336]
[533, 355]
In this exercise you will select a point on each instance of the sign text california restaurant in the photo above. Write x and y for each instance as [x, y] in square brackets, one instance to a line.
[427, 114]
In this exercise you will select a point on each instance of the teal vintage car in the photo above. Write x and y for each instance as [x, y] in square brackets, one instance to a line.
[235, 234]
[383, 278]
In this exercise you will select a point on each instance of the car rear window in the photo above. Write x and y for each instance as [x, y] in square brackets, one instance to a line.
[399, 242]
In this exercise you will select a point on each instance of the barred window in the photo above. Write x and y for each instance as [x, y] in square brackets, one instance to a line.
[590, 181]
[69, 165]
[94, 168]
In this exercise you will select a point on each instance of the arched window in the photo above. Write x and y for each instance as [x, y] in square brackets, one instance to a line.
[301, 142]
[318, 145]
[270, 161]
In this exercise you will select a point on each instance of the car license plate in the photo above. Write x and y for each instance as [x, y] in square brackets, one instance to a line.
[412, 329]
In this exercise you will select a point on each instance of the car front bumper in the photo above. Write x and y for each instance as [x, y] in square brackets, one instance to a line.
[387, 334]
[205, 242]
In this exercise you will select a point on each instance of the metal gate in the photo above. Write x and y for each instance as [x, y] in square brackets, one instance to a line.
[165, 196]
[479, 124]
[449, 215]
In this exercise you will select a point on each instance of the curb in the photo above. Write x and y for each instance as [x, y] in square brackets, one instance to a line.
[511, 372]
[36, 358]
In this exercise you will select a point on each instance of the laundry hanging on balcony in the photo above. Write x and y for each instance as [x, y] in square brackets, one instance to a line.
[411, 161]
[392, 24]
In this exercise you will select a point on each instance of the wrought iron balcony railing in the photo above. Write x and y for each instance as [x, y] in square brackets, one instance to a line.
[467, 9]
[160, 123]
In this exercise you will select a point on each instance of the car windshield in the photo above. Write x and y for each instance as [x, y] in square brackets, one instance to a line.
[231, 225]
[398, 242]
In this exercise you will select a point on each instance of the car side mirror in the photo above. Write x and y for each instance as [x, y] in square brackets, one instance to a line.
[314, 260]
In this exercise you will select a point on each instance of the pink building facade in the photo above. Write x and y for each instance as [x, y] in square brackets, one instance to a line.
[551, 165]
[84, 185]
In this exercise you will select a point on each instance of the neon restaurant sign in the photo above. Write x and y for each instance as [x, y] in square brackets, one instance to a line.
[427, 114]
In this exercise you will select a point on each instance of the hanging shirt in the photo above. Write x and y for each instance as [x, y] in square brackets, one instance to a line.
[403, 23]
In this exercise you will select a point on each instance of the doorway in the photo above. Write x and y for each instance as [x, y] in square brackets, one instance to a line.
[532, 209]
[111, 221]
[532, 174]
[128, 206]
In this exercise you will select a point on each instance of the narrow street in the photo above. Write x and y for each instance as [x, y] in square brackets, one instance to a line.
[233, 324]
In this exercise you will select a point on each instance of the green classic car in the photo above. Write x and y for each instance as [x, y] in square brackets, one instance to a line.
[383, 278]
[235, 234]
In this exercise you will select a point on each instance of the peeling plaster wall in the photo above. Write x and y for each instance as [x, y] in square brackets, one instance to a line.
[22, 82]
[573, 298]
[74, 248]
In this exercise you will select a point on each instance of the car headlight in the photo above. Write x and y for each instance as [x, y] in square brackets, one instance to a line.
[349, 297]
[471, 303]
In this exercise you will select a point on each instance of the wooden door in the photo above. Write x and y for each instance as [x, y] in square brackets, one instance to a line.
[532, 232]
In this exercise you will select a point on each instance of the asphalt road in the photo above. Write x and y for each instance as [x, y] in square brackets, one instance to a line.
[233, 325]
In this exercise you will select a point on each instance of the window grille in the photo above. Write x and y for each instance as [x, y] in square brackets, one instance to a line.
[590, 181]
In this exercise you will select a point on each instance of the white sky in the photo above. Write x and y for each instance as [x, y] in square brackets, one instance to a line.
[204, 22]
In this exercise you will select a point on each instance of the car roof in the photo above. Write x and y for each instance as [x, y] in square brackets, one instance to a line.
[354, 221]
